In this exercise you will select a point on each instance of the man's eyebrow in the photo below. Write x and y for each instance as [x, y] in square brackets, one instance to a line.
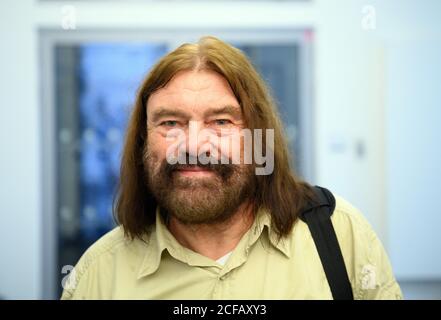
[163, 112]
[236, 112]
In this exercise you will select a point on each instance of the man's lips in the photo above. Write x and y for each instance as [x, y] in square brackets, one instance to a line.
[194, 170]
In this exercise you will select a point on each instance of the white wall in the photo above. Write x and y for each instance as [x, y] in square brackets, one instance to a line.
[414, 158]
[20, 226]
[350, 99]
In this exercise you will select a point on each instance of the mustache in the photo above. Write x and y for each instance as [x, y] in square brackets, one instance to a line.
[189, 161]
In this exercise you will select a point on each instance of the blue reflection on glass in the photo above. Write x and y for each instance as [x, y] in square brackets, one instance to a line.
[110, 75]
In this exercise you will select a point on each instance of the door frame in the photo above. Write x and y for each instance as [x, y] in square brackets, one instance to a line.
[49, 38]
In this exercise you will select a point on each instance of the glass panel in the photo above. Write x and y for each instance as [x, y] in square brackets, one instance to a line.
[96, 87]
[109, 75]
[279, 66]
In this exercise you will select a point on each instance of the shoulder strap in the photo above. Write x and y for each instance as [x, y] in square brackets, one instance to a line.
[318, 219]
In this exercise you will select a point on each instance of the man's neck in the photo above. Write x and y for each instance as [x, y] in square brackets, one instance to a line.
[214, 240]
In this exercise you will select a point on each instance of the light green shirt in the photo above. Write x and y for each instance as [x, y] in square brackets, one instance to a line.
[258, 268]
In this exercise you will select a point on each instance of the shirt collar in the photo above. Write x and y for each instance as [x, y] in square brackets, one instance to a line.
[262, 221]
[160, 239]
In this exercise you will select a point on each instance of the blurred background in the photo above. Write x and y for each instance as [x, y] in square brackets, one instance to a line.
[357, 83]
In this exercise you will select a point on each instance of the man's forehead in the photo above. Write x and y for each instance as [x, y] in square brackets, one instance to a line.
[194, 89]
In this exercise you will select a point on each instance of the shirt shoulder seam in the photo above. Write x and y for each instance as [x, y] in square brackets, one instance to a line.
[91, 256]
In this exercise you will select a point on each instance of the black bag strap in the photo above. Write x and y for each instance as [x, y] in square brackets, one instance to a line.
[318, 218]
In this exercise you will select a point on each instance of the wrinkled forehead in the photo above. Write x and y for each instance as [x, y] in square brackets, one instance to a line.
[194, 91]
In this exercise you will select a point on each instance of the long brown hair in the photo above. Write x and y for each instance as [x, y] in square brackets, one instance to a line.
[282, 193]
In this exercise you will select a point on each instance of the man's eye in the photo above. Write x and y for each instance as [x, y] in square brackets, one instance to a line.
[169, 123]
[222, 122]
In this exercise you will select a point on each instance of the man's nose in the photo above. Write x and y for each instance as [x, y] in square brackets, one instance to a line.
[197, 138]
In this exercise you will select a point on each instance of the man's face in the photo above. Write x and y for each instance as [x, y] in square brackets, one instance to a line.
[196, 115]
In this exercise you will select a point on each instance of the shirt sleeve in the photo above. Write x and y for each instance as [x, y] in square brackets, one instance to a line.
[75, 286]
[366, 260]
[82, 281]
[377, 281]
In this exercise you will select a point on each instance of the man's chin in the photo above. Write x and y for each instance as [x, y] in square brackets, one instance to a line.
[195, 191]
[206, 182]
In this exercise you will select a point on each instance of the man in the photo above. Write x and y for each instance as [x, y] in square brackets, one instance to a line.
[194, 225]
